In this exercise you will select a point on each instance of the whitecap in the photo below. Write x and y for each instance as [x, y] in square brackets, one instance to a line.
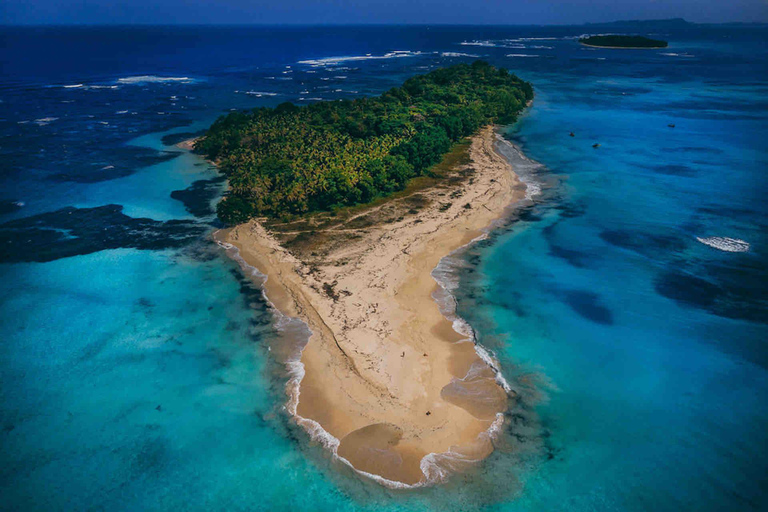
[534, 39]
[673, 54]
[142, 79]
[73, 86]
[45, 120]
[726, 244]
[458, 54]
[520, 55]
[258, 94]
[329, 61]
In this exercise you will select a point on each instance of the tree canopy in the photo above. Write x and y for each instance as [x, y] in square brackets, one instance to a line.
[292, 159]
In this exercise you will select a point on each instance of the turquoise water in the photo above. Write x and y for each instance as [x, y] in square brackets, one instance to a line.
[137, 366]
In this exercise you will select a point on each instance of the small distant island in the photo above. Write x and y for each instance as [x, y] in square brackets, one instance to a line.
[293, 160]
[622, 41]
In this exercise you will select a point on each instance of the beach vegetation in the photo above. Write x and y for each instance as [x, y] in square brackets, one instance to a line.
[291, 160]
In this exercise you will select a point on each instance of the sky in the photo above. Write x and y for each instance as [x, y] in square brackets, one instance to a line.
[501, 12]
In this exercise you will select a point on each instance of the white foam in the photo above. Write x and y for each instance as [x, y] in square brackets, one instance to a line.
[74, 86]
[142, 79]
[520, 55]
[525, 168]
[493, 44]
[534, 39]
[458, 54]
[45, 120]
[672, 54]
[726, 244]
[258, 94]
[329, 61]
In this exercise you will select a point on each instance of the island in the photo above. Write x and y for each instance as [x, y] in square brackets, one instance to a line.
[622, 41]
[347, 208]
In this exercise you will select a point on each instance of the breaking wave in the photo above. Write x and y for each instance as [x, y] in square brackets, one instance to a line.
[145, 79]
[458, 54]
[526, 169]
[329, 61]
[258, 94]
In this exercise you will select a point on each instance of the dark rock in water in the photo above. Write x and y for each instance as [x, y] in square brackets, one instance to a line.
[74, 231]
[197, 198]
[587, 304]
[7, 207]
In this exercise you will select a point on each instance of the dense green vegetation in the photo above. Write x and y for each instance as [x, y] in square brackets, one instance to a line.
[293, 160]
[619, 41]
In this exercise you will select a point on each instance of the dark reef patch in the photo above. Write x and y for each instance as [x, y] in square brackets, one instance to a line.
[7, 207]
[688, 289]
[647, 244]
[694, 149]
[576, 258]
[728, 291]
[74, 231]
[199, 196]
[675, 170]
[174, 138]
[120, 163]
[571, 210]
[587, 305]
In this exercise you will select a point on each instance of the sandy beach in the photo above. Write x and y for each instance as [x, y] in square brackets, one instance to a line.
[385, 373]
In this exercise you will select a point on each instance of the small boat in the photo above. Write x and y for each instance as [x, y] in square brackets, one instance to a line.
[596, 145]
[572, 134]
[671, 125]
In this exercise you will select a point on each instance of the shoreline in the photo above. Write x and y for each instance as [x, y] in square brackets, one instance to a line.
[386, 381]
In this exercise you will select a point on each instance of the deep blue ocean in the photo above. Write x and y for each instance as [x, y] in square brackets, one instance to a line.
[135, 365]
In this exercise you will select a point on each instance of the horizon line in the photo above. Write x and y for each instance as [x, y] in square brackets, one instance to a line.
[369, 24]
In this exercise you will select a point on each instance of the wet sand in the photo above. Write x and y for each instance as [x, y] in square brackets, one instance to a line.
[385, 373]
